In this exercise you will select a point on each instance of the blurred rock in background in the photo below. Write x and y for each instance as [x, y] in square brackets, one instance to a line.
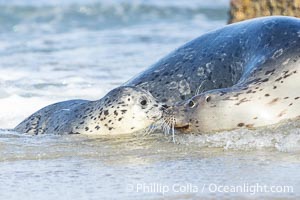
[245, 9]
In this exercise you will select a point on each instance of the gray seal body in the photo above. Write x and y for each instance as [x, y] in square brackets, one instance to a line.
[260, 59]
[217, 59]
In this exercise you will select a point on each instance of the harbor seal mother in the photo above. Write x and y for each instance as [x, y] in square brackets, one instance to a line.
[123, 110]
[264, 70]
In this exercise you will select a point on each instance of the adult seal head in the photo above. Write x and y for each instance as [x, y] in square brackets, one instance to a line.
[123, 110]
[265, 71]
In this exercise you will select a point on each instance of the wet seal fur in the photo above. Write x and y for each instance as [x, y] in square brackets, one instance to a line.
[260, 61]
[123, 110]
[178, 76]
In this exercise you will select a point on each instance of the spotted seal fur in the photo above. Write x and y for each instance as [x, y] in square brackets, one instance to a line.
[123, 110]
[262, 57]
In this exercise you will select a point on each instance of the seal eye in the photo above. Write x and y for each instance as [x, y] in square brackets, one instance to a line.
[191, 103]
[143, 102]
[208, 98]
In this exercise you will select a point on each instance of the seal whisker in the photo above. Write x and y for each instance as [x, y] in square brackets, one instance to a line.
[169, 125]
[166, 127]
[148, 130]
[173, 128]
[162, 124]
[152, 128]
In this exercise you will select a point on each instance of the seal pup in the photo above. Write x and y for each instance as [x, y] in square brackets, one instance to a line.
[266, 83]
[123, 110]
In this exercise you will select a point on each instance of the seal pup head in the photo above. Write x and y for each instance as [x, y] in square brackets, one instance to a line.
[185, 114]
[198, 114]
[128, 109]
[236, 107]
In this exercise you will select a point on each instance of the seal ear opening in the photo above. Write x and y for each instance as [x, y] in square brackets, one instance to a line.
[207, 98]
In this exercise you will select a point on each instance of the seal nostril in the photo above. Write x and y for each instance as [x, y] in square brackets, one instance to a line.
[164, 107]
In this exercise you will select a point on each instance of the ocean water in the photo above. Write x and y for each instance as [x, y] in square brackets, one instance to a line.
[55, 50]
